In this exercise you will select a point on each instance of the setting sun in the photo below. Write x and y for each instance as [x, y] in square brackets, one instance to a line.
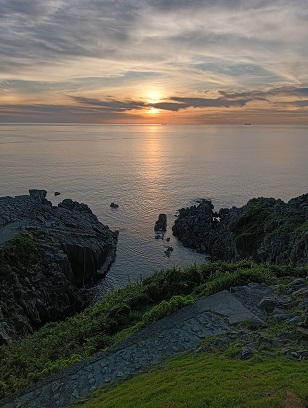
[153, 111]
[154, 97]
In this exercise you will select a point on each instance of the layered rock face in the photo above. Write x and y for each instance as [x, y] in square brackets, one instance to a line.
[264, 229]
[75, 249]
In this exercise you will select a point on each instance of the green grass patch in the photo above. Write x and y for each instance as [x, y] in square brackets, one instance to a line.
[207, 380]
[120, 314]
[17, 257]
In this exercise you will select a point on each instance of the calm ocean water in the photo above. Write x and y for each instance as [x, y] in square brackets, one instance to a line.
[148, 169]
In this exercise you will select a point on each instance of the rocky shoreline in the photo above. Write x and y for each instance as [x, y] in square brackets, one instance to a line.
[264, 230]
[75, 248]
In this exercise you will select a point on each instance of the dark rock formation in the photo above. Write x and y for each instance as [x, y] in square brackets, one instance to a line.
[168, 251]
[264, 229]
[161, 223]
[75, 249]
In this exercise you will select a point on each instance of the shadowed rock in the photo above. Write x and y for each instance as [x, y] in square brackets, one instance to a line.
[75, 250]
[264, 229]
[161, 223]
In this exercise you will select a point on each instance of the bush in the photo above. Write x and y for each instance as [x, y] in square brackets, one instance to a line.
[17, 257]
[219, 282]
[165, 308]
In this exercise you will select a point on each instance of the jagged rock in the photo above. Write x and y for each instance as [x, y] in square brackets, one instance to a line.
[296, 285]
[303, 304]
[268, 304]
[264, 230]
[246, 353]
[161, 223]
[168, 251]
[73, 244]
[39, 196]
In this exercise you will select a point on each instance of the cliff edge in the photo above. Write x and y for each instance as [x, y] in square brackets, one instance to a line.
[68, 247]
[264, 230]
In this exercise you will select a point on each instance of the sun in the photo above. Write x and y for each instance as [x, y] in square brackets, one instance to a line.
[153, 111]
[153, 97]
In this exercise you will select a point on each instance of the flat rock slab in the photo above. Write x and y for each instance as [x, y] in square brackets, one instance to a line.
[172, 335]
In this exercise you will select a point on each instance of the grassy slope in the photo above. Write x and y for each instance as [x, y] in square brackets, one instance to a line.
[207, 380]
[121, 313]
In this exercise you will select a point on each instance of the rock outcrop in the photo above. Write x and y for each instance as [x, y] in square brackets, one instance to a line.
[264, 229]
[161, 223]
[75, 250]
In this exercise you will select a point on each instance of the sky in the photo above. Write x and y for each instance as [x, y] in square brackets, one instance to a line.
[154, 61]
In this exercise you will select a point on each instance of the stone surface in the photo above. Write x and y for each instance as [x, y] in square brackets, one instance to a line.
[264, 229]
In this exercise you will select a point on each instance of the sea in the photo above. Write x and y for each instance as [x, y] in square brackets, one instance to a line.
[152, 169]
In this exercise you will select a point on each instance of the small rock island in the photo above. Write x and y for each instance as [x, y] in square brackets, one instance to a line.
[74, 250]
[161, 223]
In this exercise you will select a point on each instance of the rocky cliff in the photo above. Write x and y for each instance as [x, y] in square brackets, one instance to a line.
[264, 229]
[73, 250]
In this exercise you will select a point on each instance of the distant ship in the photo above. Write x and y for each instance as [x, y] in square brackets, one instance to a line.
[247, 123]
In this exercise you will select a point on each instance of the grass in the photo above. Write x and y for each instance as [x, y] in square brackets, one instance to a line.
[210, 381]
[121, 313]
[17, 257]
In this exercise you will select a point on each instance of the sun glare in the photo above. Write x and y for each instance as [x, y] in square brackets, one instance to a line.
[153, 97]
[153, 111]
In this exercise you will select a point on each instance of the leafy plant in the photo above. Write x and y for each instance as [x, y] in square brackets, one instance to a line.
[17, 256]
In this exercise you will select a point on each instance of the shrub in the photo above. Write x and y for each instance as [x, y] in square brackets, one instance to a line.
[240, 277]
[165, 308]
[17, 256]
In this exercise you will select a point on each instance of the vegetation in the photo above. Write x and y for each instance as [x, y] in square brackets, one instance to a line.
[211, 381]
[121, 313]
[17, 256]
[260, 223]
[249, 229]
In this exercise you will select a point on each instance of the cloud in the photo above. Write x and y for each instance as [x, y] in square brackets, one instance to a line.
[112, 105]
[240, 51]
[174, 104]
[141, 32]
[263, 94]
[61, 114]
